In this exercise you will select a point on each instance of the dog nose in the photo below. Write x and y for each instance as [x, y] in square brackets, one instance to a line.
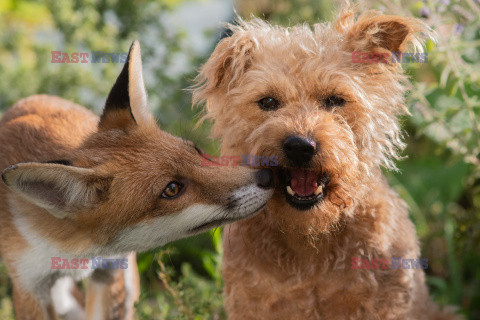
[299, 150]
[264, 178]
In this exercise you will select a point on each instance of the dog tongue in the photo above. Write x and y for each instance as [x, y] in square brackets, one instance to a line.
[303, 182]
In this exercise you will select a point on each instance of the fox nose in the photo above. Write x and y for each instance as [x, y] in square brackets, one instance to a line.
[264, 178]
[299, 150]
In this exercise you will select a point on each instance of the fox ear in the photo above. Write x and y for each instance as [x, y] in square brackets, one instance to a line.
[126, 104]
[60, 189]
[373, 30]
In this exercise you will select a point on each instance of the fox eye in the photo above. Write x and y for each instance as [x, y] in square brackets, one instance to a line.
[334, 101]
[268, 104]
[172, 190]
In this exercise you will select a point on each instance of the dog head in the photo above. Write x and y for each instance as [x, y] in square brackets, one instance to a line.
[298, 93]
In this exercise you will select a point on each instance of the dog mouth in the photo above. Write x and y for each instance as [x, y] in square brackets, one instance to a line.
[303, 188]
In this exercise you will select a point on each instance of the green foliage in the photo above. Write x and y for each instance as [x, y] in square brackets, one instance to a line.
[6, 307]
[85, 26]
[445, 101]
[440, 179]
[287, 12]
[183, 293]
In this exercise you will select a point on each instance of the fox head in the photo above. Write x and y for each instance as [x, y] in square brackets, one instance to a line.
[131, 186]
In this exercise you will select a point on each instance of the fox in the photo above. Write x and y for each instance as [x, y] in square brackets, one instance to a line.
[78, 186]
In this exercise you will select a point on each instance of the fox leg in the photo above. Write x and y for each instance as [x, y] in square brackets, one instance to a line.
[29, 307]
[68, 299]
[111, 294]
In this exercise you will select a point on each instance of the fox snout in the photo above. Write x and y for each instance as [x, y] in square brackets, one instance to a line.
[264, 179]
[244, 201]
[230, 194]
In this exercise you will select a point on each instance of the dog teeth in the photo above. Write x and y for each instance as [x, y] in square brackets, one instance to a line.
[290, 191]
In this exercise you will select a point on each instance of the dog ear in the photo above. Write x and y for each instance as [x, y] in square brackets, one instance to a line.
[228, 62]
[373, 31]
[126, 104]
[61, 189]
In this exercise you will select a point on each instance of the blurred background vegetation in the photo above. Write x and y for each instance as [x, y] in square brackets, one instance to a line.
[440, 178]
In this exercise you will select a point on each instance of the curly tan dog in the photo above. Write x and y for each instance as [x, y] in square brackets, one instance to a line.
[323, 247]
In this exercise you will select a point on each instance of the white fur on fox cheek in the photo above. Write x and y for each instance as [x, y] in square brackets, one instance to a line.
[161, 230]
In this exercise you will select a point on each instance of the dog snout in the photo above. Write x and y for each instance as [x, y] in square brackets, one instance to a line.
[299, 150]
[264, 178]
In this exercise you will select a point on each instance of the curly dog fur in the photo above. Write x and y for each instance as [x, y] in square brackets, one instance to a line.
[294, 262]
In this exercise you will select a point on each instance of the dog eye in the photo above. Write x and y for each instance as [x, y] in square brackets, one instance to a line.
[334, 101]
[268, 104]
[172, 190]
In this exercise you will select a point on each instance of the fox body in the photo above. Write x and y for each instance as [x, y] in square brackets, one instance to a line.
[76, 186]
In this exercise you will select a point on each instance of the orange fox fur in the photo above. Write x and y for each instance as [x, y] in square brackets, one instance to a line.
[296, 93]
[78, 186]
